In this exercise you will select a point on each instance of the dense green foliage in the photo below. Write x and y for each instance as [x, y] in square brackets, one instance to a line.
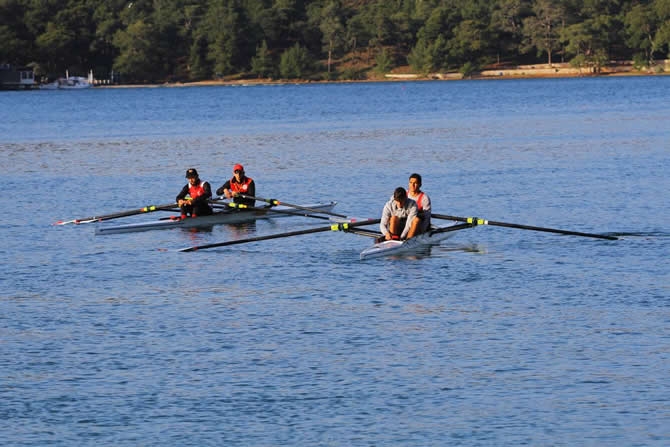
[159, 40]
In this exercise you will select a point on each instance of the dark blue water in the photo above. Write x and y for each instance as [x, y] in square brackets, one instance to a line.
[496, 337]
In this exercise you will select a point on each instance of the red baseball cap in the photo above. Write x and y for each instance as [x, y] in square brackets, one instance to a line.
[238, 167]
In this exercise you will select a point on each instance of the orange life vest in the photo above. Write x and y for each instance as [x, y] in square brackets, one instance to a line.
[240, 187]
[196, 191]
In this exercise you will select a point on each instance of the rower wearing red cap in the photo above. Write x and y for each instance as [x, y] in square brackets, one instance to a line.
[239, 184]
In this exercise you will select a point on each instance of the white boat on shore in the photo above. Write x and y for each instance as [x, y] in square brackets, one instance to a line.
[70, 83]
[227, 216]
[74, 83]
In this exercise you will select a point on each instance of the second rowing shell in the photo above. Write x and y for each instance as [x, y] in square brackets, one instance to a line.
[218, 218]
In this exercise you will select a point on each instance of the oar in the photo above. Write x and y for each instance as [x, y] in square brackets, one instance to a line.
[277, 202]
[479, 221]
[456, 227]
[367, 233]
[343, 226]
[146, 209]
[310, 214]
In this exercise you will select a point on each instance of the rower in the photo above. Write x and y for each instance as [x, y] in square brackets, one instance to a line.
[239, 184]
[397, 217]
[198, 193]
[421, 223]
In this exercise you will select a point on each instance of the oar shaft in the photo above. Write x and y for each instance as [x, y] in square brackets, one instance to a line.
[366, 233]
[479, 221]
[551, 230]
[456, 227]
[275, 211]
[290, 205]
[310, 214]
[255, 239]
[146, 209]
[344, 226]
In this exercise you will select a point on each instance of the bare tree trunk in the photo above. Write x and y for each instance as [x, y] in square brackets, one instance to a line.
[330, 53]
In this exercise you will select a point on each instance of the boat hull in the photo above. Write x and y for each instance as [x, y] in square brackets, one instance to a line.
[71, 83]
[218, 218]
[413, 245]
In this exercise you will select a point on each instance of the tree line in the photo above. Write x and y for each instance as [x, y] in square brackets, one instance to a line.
[191, 40]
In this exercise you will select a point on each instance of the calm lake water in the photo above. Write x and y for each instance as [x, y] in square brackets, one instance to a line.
[496, 337]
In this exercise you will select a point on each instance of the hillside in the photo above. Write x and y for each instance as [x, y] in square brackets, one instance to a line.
[316, 40]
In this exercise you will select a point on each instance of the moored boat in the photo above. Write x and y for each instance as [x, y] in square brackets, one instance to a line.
[227, 216]
[70, 83]
[74, 83]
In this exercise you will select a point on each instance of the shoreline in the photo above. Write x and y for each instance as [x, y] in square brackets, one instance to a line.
[536, 71]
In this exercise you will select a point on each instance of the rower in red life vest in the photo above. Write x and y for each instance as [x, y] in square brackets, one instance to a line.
[194, 197]
[239, 184]
[422, 221]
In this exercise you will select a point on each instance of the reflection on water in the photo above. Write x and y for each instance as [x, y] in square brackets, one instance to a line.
[241, 230]
[465, 248]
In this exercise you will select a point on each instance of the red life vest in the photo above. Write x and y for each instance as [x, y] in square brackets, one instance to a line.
[196, 191]
[418, 201]
[240, 187]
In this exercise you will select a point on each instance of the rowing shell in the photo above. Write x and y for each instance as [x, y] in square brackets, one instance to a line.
[229, 216]
[395, 247]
